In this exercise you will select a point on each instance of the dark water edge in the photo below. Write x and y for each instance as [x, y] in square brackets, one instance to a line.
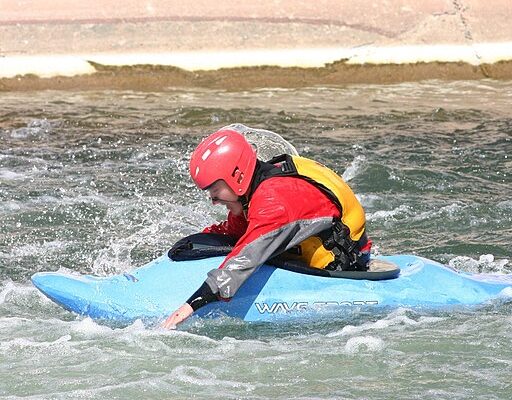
[158, 78]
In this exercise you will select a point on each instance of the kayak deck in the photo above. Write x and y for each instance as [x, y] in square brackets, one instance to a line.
[155, 290]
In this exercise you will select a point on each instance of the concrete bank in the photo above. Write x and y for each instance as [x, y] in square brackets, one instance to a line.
[157, 44]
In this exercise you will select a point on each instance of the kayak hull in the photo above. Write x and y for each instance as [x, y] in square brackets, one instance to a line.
[153, 291]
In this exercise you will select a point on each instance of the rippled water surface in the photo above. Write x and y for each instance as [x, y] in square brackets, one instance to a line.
[97, 182]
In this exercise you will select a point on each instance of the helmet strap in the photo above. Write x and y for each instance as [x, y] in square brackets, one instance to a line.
[245, 202]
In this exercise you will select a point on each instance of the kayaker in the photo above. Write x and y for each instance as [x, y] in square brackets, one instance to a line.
[290, 207]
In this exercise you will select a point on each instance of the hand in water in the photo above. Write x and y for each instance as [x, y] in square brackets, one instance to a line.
[178, 316]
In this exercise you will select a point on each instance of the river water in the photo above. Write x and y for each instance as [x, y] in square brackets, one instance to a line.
[96, 182]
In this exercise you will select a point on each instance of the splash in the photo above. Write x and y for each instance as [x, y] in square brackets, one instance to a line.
[486, 263]
[355, 168]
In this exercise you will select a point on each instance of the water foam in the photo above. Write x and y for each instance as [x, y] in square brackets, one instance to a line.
[506, 293]
[364, 343]
[201, 377]
[23, 343]
[7, 290]
[39, 249]
[35, 129]
[89, 328]
[368, 200]
[11, 291]
[9, 175]
[396, 318]
[400, 212]
[450, 212]
[486, 263]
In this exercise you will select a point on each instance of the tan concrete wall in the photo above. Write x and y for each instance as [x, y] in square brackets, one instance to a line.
[58, 37]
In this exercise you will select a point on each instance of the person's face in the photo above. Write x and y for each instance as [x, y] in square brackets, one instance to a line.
[221, 193]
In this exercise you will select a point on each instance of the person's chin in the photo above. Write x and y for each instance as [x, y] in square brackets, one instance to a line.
[234, 210]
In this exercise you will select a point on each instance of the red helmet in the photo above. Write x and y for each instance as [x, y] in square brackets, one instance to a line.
[224, 155]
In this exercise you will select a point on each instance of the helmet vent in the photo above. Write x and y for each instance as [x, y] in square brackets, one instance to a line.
[219, 141]
[206, 154]
[238, 175]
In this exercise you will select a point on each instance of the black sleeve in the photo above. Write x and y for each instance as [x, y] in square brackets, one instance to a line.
[201, 297]
[201, 245]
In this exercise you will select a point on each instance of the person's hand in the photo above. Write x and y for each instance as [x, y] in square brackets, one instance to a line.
[178, 316]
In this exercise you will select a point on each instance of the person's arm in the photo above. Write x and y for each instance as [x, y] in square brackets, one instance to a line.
[276, 222]
[235, 226]
[266, 235]
[200, 298]
[283, 213]
[252, 250]
[178, 316]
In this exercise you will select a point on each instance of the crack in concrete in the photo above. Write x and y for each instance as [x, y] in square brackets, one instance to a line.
[460, 10]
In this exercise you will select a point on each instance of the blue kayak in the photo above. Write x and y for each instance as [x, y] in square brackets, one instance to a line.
[153, 291]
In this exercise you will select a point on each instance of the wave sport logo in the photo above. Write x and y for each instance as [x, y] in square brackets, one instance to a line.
[283, 307]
